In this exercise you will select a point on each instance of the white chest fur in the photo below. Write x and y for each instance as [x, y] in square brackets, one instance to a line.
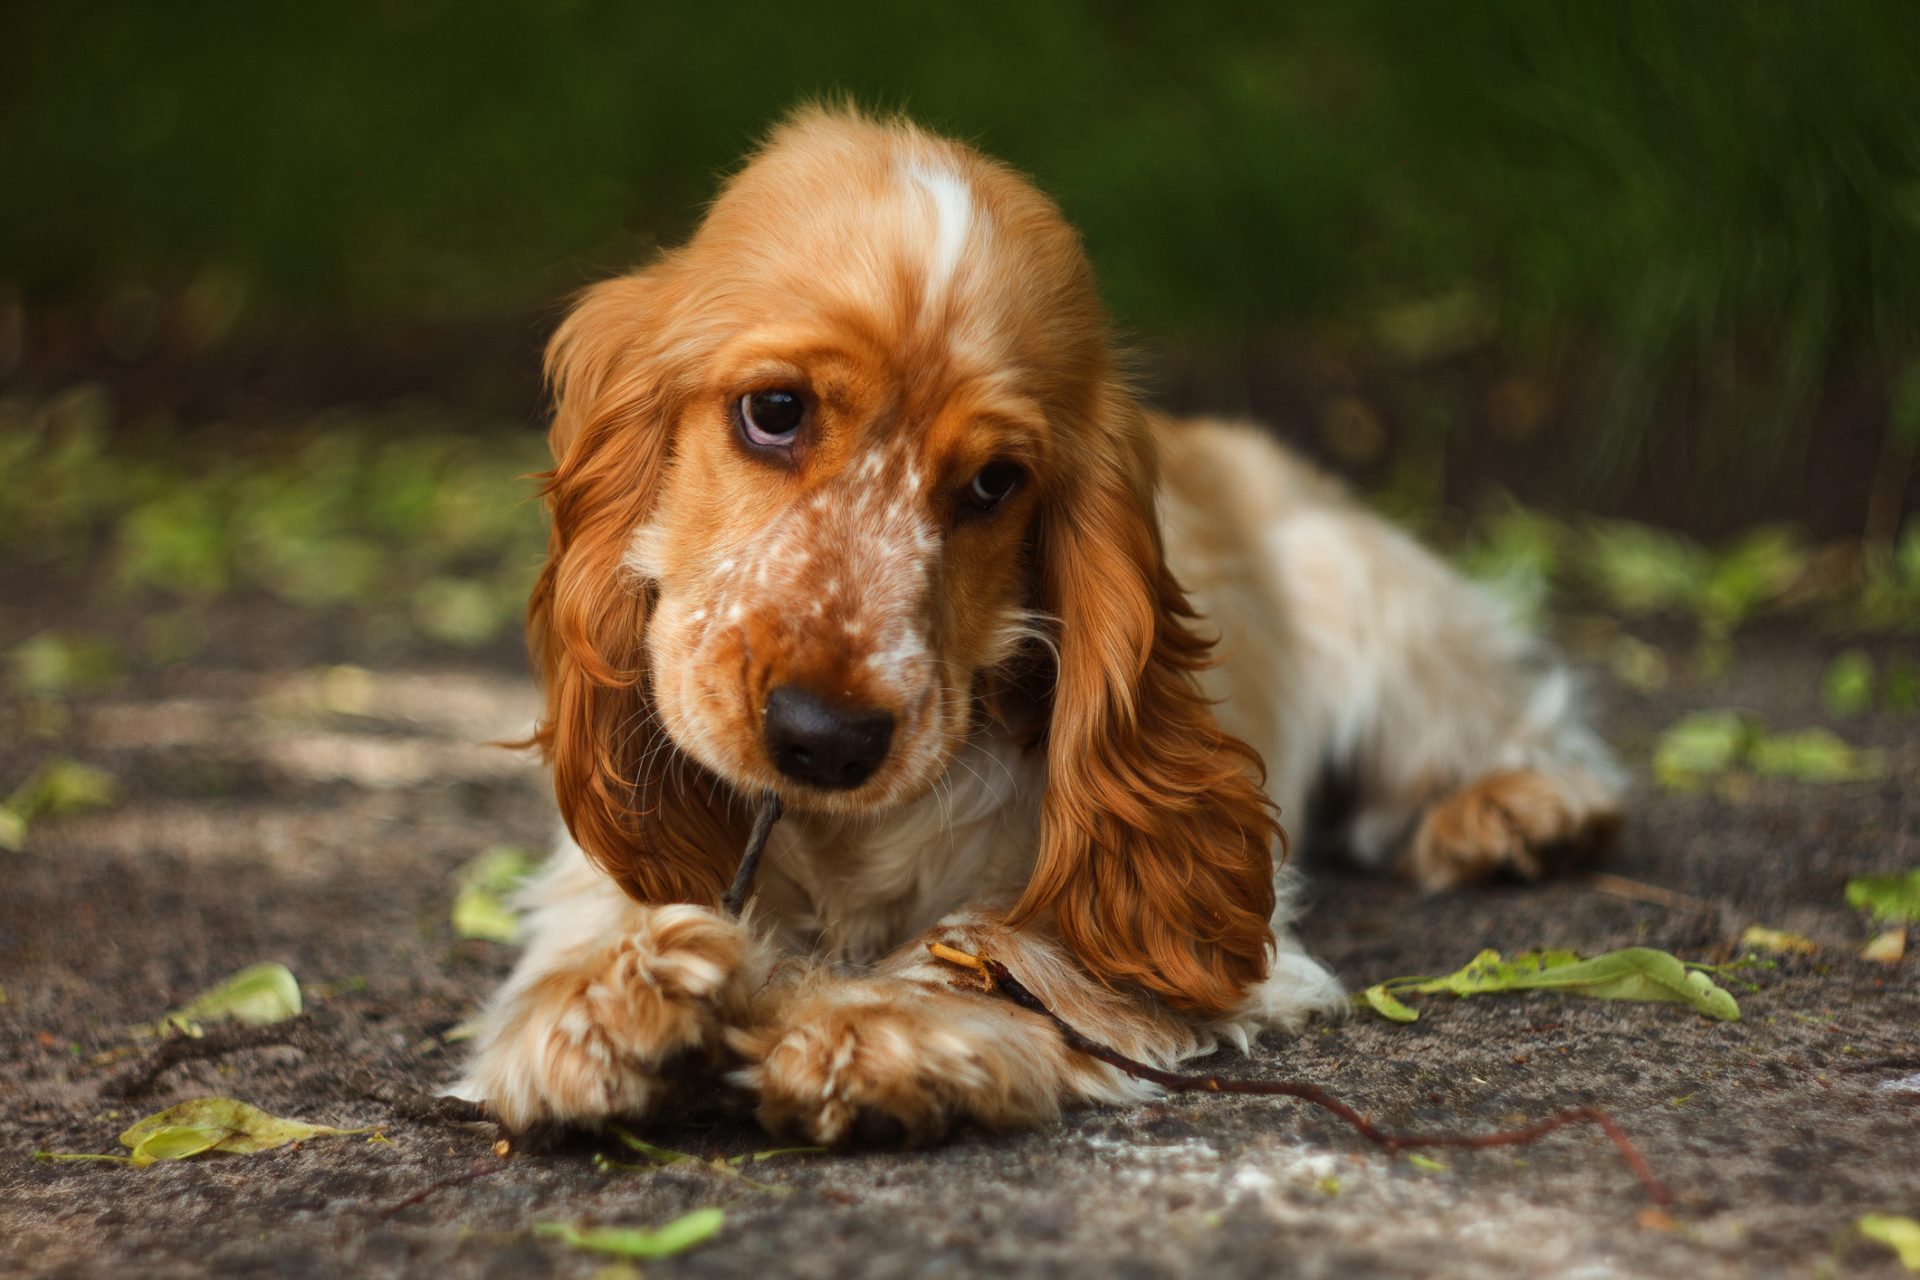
[850, 889]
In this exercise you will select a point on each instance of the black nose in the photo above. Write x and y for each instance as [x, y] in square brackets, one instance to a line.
[812, 741]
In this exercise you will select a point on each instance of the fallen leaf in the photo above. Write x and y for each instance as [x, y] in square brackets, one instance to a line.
[1892, 899]
[1887, 948]
[1812, 755]
[1700, 745]
[50, 665]
[477, 914]
[1638, 665]
[775, 1153]
[1641, 570]
[1847, 687]
[480, 908]
[1753, 572]
[1902, 1235]
[258, 995]
[204, 1126]
[62, 787]
[1427, 1163]
[658, 1155]
[55, 789]
[1760, 938]
[174, 1142]
[1711, 744]
[638, 1242]
[728, 1167]
[1382, 1002]
[226, 1124]
[1635, 973]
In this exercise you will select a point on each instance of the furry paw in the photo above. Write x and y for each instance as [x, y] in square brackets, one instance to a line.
[587, 1040]
[1523, 822]
[890, 1063]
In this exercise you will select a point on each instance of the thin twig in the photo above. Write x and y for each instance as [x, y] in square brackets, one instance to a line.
[750, 861]
[480, 1169]
[1001, 980]
[295, 1033]
[1639, 891]
[217, 1043]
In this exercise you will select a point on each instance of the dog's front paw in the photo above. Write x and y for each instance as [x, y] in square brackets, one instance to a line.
[589, 1038]
[1523, 821]
[889, 1063]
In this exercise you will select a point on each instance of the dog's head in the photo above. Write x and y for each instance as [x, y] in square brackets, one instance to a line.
[832, 482]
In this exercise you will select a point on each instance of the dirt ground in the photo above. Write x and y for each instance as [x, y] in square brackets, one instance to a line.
[269, 813]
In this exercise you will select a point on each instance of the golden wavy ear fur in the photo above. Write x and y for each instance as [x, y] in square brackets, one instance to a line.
[614, 404]
[1155, 840]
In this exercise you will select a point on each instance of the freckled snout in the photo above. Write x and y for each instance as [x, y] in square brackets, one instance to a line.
[811, 740]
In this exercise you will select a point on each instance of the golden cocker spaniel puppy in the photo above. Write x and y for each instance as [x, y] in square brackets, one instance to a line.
[851, 505]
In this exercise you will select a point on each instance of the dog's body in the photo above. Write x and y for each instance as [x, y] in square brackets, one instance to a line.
[945, 614]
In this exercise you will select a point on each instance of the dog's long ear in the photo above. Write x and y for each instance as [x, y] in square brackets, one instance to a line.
[638, 810]
[1155, 836]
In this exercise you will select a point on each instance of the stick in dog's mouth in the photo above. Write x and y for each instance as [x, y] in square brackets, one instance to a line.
[750, 860]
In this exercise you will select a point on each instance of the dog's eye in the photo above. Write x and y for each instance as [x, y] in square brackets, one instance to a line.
[992, 485]
[771, 418]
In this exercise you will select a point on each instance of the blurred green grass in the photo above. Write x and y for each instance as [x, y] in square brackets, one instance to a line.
[409, 528]
[1698, 217]
[406, 534]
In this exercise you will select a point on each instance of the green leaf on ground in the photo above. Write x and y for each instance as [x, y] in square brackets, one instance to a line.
[477, 914]
[1638, 665]
[1700, 745]
[1427, 1163]
[1640, 570]
[1516, 557]
[1813, 755]
[258, 995]
[1382, 1002]
[203, 1126]
[61, 787]
[638, 1242]
[1708, 744]
[13, 830]
[1902, 1235]
[1893, 899]
[480, 909]
[1753, 572]
[658, 1155]
[224, 1125]
[51, 665]
[1847, 687]
[774, 1154]
[1635, 973]
[1760, 938]
[57, 788]
[1889, 947]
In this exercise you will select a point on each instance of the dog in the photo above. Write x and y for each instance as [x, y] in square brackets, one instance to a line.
[852, 505]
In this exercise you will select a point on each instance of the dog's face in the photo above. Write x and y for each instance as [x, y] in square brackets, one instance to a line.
[820, 475]
[878, 350]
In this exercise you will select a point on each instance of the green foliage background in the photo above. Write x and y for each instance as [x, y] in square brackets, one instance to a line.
[1702, 217]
